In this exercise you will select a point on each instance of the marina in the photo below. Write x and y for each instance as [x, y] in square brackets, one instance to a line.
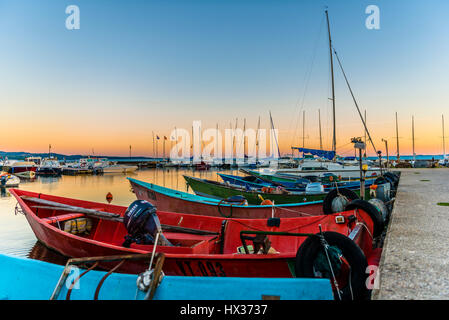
[157, 183]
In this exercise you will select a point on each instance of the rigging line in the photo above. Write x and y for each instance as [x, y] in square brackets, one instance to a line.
[306, 81]
[275, 138]
[355, 101]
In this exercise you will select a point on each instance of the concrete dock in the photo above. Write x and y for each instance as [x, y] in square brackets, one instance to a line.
[415, 259]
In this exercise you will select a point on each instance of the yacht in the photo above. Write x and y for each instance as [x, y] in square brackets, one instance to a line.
[50, 167]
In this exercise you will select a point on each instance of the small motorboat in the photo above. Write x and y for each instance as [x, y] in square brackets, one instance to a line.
[22, 284]
[170, 200]
[22, 169]
[299, 186]
[279, 195]
[8, 180]
[119, 169]
[49, 167]
[202, 166]
[210, 246]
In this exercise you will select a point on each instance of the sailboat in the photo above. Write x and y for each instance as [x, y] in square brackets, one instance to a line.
[325, 162]
[445, 160]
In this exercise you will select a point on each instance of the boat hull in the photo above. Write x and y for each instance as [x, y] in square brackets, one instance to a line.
[120, 169]
[204, 257]
[221, 191]
[22, 284]
[164, 202]
[49, 171]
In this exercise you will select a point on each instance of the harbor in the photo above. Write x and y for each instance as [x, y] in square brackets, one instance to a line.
[179, 156]
[115, 189]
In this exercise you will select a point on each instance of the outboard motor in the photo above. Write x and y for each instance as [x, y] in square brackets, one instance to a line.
[142, 224]
[314, 188]
[236, 200]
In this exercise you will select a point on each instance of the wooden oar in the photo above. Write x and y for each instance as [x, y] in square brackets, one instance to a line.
[80, 210]
[62, 205]
[107, 215]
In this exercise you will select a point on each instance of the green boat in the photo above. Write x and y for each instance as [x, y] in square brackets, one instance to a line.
[214, 189]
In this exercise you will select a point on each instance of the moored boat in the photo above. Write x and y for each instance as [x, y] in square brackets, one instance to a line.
[119, 169]
[298, 186]
[8, 180]
[210, 246]
[22, 284]
[278, 195]
[49, 167]
[22, 169]
[170, 200]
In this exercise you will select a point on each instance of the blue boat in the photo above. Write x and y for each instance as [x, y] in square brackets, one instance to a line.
[298, 186]
[254, 182]
[19, 282]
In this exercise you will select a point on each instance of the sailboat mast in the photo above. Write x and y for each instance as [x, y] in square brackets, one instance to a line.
[397, 137]
[413, 137]
[257, 141]
[303, 126]
[244, 140]
[319, 122]
[444, 144]
[334, 137]
[365, 137]
[216, 142]
[274, 135]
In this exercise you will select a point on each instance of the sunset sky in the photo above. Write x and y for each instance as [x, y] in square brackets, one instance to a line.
[135, 67]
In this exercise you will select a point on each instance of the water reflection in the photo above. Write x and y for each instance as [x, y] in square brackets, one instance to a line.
[41, 252]
[4, 193]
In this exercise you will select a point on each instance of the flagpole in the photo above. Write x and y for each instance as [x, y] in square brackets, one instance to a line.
[163, 145]
[153, 142]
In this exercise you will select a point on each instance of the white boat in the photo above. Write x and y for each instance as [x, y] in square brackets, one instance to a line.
[23, 169]
[49, 166]
[8, 180]
[320, 168]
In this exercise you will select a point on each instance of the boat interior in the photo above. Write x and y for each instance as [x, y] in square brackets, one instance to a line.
[188, 234]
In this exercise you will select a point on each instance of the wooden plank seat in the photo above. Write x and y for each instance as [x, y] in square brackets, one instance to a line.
[63, 217]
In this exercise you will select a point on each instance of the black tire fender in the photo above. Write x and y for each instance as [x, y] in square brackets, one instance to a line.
[309, 249]
[371, 210]
[392, 177]
[327, 202]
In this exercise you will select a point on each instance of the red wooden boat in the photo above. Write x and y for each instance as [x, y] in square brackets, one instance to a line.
[166, 199]
[217, 249]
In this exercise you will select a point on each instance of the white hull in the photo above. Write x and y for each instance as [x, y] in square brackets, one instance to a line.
[11, 181]
[119, 169]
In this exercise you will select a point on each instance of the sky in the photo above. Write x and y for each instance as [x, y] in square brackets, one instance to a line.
[138, 67]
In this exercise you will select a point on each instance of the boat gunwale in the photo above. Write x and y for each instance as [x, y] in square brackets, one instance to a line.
[213, 201]
[234, 256]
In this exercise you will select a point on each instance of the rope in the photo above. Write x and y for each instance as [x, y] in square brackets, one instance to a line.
[295, 211]
[355, 102]
[325, 246]
[296, 227]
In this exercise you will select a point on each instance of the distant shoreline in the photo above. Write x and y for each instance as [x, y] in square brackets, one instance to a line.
[23, 155]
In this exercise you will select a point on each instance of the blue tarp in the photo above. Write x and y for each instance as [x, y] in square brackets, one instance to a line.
[319, 153]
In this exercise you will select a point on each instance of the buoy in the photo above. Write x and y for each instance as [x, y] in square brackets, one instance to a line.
[266, 202]
[109, 197]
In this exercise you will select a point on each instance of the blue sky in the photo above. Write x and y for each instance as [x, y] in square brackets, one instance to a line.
[141, 66]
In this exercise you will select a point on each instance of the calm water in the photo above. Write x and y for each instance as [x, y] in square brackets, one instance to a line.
[16, 236]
